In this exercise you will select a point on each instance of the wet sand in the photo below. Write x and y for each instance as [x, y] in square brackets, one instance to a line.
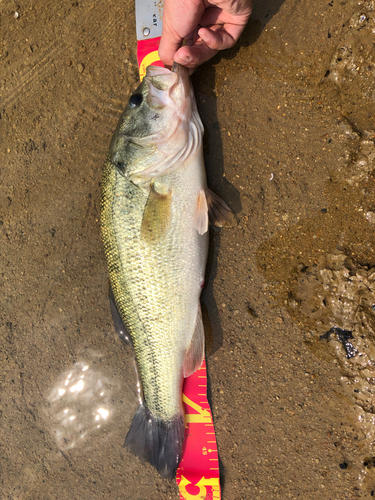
[289, 145]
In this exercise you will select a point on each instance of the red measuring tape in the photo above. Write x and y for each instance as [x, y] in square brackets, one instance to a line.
[198, 473]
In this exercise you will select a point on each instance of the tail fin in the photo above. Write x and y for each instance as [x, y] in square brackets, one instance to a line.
[157, 442]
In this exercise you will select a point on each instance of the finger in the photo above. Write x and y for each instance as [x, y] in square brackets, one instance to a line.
[191, 57]
[216, 40]
[169, 44]
[214, 15]
[178, 21]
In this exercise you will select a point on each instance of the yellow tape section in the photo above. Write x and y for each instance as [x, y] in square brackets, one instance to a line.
[203, 416]
[202, 493]
[146, 61]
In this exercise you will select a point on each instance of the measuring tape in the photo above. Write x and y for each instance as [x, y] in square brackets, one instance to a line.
[198, 475]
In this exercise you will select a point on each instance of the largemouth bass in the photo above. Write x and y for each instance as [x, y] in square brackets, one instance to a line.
[155, 217]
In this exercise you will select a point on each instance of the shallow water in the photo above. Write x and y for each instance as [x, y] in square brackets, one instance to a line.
[290, 147]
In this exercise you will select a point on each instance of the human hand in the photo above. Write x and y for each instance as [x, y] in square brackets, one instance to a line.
[207, 27]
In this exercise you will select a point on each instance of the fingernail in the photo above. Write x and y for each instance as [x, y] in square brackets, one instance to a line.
[202, 34]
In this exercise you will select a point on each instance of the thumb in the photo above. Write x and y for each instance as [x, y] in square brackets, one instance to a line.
[169, 44]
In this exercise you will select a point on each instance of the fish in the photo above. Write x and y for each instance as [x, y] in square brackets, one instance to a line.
[155, 214]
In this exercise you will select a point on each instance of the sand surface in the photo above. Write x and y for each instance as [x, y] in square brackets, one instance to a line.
[289, 117]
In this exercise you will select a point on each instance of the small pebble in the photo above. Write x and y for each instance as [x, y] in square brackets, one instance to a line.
[370, 216]
[80, 67]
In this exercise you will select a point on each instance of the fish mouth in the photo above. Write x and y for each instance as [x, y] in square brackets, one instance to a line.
[165, 79]
[183, 77]
[169, 87]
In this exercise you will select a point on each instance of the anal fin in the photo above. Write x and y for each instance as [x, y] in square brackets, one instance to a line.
[195, 353]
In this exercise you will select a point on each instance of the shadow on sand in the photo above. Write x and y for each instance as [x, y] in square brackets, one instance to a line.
[204, 84]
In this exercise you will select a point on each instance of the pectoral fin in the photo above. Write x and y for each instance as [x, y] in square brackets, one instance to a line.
[201, 217]
[195, 353]
[157, 214]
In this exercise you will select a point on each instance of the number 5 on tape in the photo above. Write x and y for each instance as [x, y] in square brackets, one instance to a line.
[200, 489]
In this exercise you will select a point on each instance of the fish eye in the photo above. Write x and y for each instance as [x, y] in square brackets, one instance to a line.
[135, 100]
